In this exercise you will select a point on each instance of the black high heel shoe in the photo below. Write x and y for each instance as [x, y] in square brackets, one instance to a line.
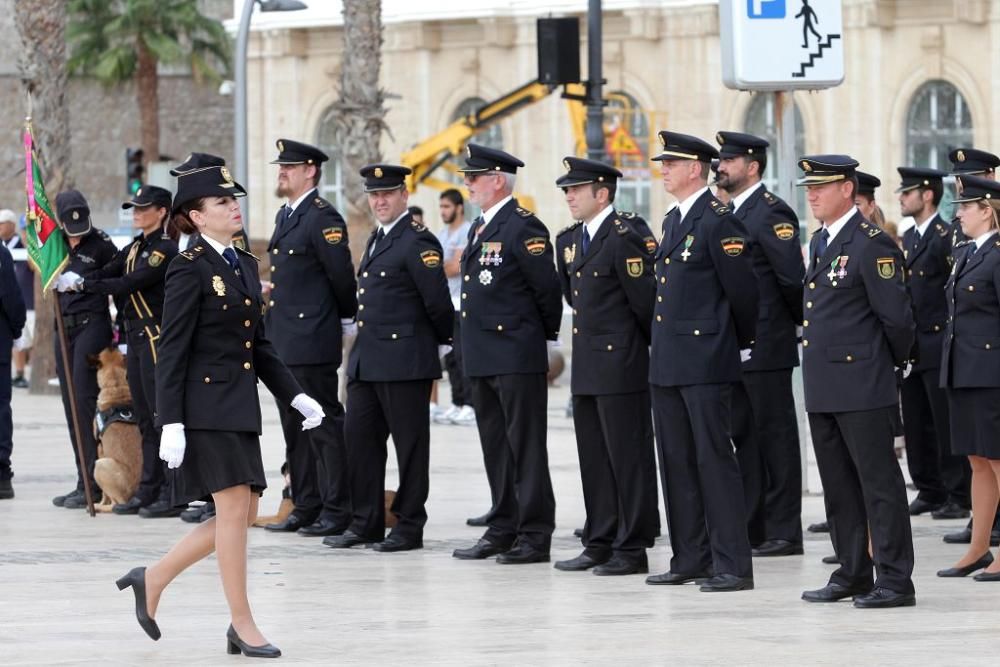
[137, 580]
[235, 646]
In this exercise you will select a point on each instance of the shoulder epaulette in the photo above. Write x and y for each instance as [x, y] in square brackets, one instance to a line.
[997, 242]
[319, 202]
[165, 237]
[942, 230]
[523, 212]
[628, 215]
[246, 252]
[193, 253]
[871, 230]
[417, 227]
[770, 198]
[622, 229]
[962, 244]
[717, 206]
[103, 234]
[569, 229]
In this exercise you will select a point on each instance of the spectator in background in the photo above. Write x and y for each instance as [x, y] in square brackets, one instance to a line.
[417, 214]
[26, 281]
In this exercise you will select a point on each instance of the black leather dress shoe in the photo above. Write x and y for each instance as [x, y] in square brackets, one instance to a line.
[59, 501]
[130, 506]
[950, 511]
[581, 563]
[481, 550]
[621, 565]
[831, 560]
[290, 525]
[726, 583]
[578, 532]
[883, 598]
[671, 578]
[821, 527]
[965, 537]
[76, 501]
[834, 593]
[322, 528]
[235, 646]
[983, 561]
[397, 543]
[345, 540]
[478, 521]
[778, 548]
[6, 489]
[136, 578]
[920, 506]
[523, 553]
[198, 513]
[161, 509]
[987, 576]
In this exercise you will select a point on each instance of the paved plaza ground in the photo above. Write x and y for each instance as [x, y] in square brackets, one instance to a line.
[59, 605]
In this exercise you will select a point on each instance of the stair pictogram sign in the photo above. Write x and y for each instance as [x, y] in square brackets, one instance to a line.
[815, 55]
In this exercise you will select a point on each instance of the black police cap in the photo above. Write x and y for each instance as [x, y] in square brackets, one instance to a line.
[150, 195]
[821, 169]
[380, 177]
[206, 182]
[580, 172]
[867, 183]
[677, 146]
[73, 212]
[976, 188]
[480, 159]
[918, 177]
[197, 161]
[972, 161]
[738, 144]
[296, 152]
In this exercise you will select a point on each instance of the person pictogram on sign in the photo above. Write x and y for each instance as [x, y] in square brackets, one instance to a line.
[808, 15]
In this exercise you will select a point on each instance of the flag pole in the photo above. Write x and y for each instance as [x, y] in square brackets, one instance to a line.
[68, 375]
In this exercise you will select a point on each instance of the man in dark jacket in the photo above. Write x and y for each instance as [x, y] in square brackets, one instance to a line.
[12, 317]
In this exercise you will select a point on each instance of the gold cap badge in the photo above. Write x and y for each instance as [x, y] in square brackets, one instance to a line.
[718, 138]
[281, 146]
[76, 215]
[960, 156]
[806, 166]
[378, 172]
[566, 164]
[225, 175]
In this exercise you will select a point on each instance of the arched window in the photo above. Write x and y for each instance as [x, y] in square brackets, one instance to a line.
[331, 186]
[626, 128]
[937, 122]
[761, 121]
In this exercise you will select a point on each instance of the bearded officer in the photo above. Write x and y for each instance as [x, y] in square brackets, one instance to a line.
[511, 305]
[313, 298]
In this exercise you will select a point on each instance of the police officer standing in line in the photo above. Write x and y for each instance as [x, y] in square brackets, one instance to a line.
[88, 331]
[607, 276]
[706, 311]
[982, 164]
[136, 277]
[180, 227]
[765, 423]
[313, 299]
[942, 480]
[858, 328]
[12, 318]
[511, 305]
[864, 199]
[404, 314]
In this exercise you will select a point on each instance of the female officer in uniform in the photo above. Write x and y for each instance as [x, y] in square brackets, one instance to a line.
[212, 352]
[970, 366]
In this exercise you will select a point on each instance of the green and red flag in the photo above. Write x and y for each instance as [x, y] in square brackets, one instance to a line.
[47, 250]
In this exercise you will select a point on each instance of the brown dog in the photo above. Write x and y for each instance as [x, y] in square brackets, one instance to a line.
[119, 445]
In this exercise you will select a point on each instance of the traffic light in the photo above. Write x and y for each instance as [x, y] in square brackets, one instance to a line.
[135, 170]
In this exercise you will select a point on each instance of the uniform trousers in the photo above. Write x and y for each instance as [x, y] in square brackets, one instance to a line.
[702, 487]
[82, 342]
[614, 438]
[376, 411]
[453, 365]
[766, 435]
[863, 489]
[938, 475]
[511, 413]
[141, 371]
[317, 458]
[6, 417]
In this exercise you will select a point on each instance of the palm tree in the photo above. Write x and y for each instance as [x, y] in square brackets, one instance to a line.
[41, 25]
[361, 117]
[117, 41]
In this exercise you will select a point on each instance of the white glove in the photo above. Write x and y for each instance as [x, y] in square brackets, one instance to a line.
[348, 328]
[745, 355]
[443, 350]
[123, 348]
[553, 344]
[907, 369]
[70, 281]
[172, 444]
[310, 409]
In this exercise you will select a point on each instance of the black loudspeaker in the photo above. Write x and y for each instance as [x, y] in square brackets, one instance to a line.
[559, 51]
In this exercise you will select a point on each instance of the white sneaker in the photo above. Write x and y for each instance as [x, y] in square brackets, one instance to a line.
[445, 416]
[465, 416]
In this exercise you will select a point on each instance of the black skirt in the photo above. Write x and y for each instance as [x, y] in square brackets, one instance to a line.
[975, 421]
[217, 460]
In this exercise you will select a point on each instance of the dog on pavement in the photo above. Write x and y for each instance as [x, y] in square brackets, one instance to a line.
[119, 443]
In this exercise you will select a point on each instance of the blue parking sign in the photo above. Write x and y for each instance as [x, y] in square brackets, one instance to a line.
[766, 9]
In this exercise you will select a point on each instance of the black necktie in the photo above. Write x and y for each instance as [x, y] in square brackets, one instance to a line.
[585, 242]
[477, 228]
[283, 214]
[230, 256]
[671, 223]
[824, 238]
[379, 235]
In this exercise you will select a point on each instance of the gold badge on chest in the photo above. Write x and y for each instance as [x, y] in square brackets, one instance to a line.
[218, 286]
[569, 254]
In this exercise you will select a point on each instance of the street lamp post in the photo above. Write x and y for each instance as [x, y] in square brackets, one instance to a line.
[240, 61]
[595, 75]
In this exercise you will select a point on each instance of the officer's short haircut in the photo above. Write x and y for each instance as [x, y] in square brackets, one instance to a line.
[416, 210]
[936, 188]
[612, 189]
[706, 169]
[318, 178]
[454, 196]
[853, 180]
[761, 160]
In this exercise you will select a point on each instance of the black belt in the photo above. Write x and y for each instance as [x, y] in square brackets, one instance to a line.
[74, 321]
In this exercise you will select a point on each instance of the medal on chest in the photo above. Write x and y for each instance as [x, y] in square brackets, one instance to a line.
[485, 277]
[218, 286]
[490, 254]
[687, 248]
[838, 269]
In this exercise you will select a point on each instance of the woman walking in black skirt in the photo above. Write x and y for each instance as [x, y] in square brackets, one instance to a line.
[212, 352]
[970, 367]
